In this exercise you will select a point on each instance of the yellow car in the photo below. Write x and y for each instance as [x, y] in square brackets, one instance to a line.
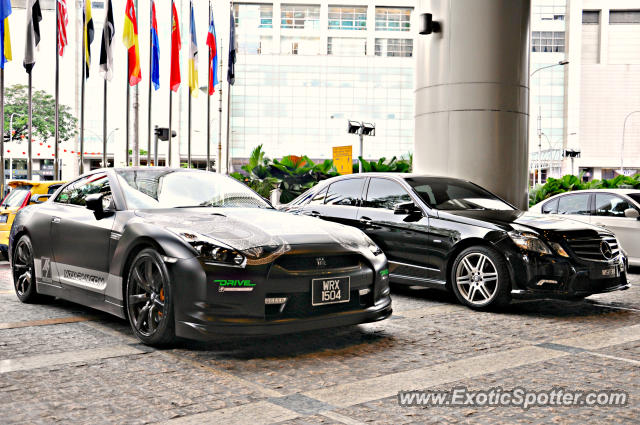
[23, 193]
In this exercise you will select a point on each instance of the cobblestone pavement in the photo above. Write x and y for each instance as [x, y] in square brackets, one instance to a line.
[64, 363]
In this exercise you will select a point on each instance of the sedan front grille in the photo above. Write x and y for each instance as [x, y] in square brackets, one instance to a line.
[318, 262]
[604, 247]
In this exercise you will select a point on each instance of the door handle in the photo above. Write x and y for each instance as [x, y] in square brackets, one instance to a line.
[55, 220]
[314, 214]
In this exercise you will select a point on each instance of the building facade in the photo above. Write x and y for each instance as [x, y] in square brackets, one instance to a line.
[603, 87]
[305, 68]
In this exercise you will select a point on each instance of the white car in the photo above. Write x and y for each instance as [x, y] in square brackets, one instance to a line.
[617, 210]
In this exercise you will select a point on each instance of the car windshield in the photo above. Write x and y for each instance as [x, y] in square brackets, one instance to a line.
[450, 194]
[165, 188]
[16, 197]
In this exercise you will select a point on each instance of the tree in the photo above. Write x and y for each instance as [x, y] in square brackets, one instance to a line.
[17, 102]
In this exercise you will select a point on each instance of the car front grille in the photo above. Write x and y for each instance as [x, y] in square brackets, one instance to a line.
[318, 262]
[594, 248]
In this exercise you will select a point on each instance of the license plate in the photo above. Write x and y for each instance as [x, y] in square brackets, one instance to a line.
[611, 272]
[330, 290]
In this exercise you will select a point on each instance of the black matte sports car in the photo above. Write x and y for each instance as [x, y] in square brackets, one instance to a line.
[194, 254]
[452, 234]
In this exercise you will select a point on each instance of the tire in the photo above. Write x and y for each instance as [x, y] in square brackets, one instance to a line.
[24, 272]
[149, 299]
[480, 278]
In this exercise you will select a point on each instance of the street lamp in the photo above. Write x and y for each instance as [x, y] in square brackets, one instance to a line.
[624, 128]
[361, 129]
[561, 63]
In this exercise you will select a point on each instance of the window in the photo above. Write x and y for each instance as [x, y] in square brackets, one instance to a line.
[299, 45]
[253, 15]
[450, 194]
[550, 10]
[547, 41]
[347, 18]
[609, 205]
[318, 198]
[574, 204]
[590, 17]
[383, 193]
[76, 193]
[635, 197]
[550, 207]
[342, 46]
[53, 188]
[624, 17]
[299, 17]
[344, 192]
[393, 19]
[394, 47]
[17, 197]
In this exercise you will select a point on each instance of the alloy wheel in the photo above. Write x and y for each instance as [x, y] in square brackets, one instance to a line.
[146, 295]
[23, 270]
[477, 278]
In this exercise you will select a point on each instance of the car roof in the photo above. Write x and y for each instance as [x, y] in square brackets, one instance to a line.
[618, 191]
[397, 176]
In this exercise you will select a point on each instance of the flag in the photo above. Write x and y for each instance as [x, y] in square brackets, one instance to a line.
[34, 16]
[213, 54]
[88, 36]
[233, 47]
[5, 43]
[176, 44]
[193, 57]
[106, 51]
[155, 48]
[63, 21]
[130, 38]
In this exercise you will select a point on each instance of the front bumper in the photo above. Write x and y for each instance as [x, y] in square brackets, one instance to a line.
[204, 310]
[253, 327]
[553, 276]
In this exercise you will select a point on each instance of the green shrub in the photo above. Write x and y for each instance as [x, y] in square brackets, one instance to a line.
[570, 183]
[293, 175]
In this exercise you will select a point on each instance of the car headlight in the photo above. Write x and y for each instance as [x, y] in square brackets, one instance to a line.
[529, 242]
[211, 250]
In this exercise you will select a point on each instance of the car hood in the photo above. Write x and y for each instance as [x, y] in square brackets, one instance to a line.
[247, 228]
[515, 219]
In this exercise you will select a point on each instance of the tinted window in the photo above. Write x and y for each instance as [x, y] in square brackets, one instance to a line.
[76, 193]
[318, 198]
[635, 197]
[344, 192]
[383, 193]
[550, 207]
[574, 204]
[450, 194]
[610, 205]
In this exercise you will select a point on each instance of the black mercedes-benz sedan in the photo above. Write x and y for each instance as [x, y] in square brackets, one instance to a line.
[194, 254]
[452, 234]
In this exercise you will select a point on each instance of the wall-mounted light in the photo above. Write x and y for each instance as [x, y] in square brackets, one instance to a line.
[428, 25]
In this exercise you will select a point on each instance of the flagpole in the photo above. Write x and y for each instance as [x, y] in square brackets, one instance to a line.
[2, 140]
[189, 131]
[56, 140]
[105, 164]
[29, 149]
[150, 78]
[84, 67]
[128, 117]
[220, 114]
[209, 105]
[168, 161]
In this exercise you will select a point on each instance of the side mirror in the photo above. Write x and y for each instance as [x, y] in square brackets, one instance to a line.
[632, 213]
[406, 208]
[99, 203]
[38, 199]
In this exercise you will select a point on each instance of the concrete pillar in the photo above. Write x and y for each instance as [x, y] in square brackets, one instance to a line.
[472, 94]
